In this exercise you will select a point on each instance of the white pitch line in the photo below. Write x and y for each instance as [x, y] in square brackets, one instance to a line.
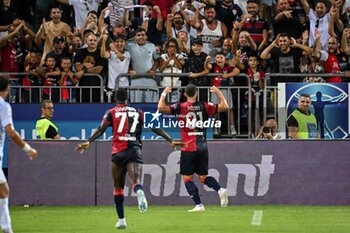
[257, 217]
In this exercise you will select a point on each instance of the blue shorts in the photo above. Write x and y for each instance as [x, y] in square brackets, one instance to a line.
[194, 162]
[131, 154]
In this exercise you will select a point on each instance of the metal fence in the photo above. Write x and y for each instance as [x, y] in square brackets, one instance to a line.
[247, 120]
[241, 99]
[34, 94]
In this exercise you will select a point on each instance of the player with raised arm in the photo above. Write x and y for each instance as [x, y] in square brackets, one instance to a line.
[7, 128]
[193, 116]
[126, 122]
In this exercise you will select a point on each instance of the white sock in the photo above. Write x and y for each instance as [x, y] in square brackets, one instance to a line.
[5, 219]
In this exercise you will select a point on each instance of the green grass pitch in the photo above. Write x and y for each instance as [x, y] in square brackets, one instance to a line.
[171, 219]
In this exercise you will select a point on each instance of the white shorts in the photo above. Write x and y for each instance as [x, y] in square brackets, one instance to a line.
[2, 177]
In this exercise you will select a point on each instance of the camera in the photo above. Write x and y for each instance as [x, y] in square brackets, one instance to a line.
[267, 129]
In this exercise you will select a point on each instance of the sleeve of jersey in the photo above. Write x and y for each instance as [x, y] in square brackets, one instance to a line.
[292, 122]
[107, 118]
[141, 117]
[175, 109]
[211, 108]
[51, 132]
[324, 55]
[6, 115]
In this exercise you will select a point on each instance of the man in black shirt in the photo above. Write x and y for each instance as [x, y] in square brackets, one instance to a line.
[89, 60]
[285, 53]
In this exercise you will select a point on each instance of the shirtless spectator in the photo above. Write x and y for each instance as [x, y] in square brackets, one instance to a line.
[49, 30]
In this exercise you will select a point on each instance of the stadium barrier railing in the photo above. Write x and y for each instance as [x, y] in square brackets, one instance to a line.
[25, 94]
[243, 113]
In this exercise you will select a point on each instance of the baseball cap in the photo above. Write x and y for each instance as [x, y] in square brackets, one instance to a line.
[58, 39]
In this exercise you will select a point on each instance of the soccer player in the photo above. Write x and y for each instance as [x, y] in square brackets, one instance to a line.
[7, 128]
[127, 124]
[194, 158]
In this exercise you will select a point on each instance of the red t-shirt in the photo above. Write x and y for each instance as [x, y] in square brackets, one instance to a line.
[8, 58]
[218, 80]
[331, 65]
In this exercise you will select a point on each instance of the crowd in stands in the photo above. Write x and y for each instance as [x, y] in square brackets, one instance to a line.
[59, 41]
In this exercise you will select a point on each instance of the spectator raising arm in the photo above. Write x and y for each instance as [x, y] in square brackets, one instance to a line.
[335, 21]
[40, 34]
[195, 22]
[11, 35]
[168, 25]
[345, 41]
[306, 49]
[306, 6]
[265, 55]
[316, 52]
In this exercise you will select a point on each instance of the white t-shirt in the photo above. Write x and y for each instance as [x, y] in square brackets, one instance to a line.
[171, 81]
[322, 27]
[117, 10]
[116, 67]
[82, 8]
[6, 119]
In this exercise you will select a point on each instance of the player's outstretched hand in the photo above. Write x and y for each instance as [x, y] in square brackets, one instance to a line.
[176, 144]
[32, 154]
[82, 147]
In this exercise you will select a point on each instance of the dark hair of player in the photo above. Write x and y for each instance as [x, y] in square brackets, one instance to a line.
[4, 82]
[121, 95]
[191, 90]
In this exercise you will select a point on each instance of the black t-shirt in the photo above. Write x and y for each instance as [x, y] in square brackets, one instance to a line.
[228, 15]
[196, 65]
[286, 63]
[58, 57]
[82, 56]
[153, 35]
[343, 61]
[291, 26]
[7, 17]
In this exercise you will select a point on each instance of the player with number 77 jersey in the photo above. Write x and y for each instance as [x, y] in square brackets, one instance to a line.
[126, 122]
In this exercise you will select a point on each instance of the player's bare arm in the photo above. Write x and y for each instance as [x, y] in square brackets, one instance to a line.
[162, 107]
[85, 145]
[11, 132]
[223, 106]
